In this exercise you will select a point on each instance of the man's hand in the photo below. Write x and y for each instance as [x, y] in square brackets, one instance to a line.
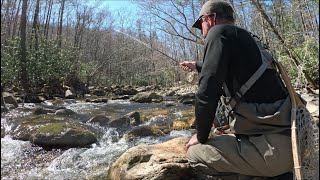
[188, 65]
[192, 141]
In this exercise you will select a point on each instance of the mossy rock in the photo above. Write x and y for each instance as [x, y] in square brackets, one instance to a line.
[63, 135]
[29, 124]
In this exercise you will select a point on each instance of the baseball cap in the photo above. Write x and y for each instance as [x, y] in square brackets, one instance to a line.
[220, 8]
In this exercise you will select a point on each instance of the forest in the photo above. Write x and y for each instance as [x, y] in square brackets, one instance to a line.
[53, 41]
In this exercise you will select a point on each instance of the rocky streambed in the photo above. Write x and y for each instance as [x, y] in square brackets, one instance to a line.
[80, 138]
[137, 134]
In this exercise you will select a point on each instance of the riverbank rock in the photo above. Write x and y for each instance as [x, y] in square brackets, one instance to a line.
[62, 135]
[147, 97]
[160, 161]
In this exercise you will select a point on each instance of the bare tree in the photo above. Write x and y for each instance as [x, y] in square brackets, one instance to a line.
[23, 60]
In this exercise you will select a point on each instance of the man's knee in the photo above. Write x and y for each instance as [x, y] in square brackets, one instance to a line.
[193, 154]
[202, 153]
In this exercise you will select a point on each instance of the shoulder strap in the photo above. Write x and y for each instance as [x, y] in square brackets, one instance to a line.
[266, 61]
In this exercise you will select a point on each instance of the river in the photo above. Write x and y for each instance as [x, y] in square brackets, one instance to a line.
[23, 160]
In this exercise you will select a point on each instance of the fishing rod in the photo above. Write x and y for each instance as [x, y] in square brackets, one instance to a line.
[148, 46]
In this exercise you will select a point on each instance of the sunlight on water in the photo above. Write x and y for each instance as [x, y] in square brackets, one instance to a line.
[12, 150]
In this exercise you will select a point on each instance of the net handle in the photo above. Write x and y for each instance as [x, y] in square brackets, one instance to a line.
[295, 101]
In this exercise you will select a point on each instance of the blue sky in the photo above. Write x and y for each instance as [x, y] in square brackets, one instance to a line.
[120, 4]
[116, 4]
[129, 9]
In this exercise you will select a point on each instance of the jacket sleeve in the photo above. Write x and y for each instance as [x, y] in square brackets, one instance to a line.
[213, 74]
[199, 66]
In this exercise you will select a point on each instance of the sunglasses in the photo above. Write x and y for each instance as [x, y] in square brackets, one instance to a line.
[200, 18]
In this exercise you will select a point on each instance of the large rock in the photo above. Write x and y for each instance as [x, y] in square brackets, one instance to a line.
[166, 161]
[147, 97]
[130, 119]
[100, 119]
[142, 131]
[121, 122]
[62, 135]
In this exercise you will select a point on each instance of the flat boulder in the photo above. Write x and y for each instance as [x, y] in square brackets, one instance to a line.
[160, 161]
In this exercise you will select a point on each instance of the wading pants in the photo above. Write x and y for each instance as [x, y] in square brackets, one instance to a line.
[255, 155]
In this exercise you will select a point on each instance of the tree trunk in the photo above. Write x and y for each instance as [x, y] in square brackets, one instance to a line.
[15, 20]
[46, 27]
[23, 60]
[60, 24]
[35, 28]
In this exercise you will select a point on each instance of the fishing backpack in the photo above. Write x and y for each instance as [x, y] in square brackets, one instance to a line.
[304, 131]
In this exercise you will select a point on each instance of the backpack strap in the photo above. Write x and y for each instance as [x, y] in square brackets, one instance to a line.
[267, 59]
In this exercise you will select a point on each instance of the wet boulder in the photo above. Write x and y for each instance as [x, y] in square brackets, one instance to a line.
[41, 110]
[134, 118]
[160, 161]
[100, 120]
[8, 98]
[142, 131]
[130, 119]
[121, 122]
[187, 98]
[64, 112]
[62, 135]
[29, 124]
[147, 97]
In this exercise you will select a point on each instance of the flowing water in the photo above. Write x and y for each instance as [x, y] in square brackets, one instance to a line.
[23, 160]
